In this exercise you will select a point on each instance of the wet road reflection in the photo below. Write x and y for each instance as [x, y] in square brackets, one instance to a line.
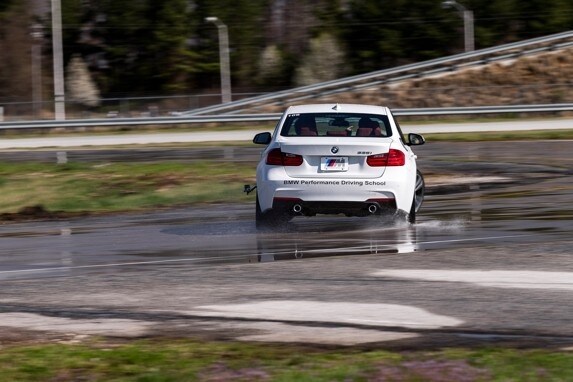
[528, 210]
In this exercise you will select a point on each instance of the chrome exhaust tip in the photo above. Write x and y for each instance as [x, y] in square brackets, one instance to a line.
[297, 208]
[372, 208]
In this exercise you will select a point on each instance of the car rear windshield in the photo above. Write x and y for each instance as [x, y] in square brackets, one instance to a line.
[336, 124]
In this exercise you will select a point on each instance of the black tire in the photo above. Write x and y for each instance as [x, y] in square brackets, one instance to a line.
[419, 191]
[412, 213]
[261, 220]
[271, 219]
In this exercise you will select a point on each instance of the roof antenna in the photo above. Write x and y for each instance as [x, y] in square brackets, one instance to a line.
[336, 107]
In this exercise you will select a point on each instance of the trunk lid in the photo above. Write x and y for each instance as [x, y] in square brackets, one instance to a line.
[322, 160]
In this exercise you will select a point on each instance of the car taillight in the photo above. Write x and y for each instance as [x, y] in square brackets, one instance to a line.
[292, 159]
[277, 158]
[391, 158]
[378, 160]
[396, 158]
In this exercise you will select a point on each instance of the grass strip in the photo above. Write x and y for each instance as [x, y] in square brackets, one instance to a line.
[115, 187]
[189, 360]
[111, 187]
[500, 136]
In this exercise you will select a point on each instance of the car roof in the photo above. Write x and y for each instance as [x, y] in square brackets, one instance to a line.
[338, 107]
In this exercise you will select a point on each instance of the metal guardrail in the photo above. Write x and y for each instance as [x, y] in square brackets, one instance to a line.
[402, 72]
[73, 123]
[231, 118]
[484, 110]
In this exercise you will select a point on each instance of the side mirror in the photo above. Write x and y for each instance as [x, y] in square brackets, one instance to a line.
[415, 139]
[262, 138]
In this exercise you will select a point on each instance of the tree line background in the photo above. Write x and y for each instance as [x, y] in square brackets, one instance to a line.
[164, 47]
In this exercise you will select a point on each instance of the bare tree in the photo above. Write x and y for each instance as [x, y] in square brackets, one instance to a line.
[79, 83]
[270, 65]
[323, 62]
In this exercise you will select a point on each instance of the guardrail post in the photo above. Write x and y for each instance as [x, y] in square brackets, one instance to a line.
[124, 108]
[62, 157]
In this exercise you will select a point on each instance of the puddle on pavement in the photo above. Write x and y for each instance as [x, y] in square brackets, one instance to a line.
[520, 213]
[44, 233]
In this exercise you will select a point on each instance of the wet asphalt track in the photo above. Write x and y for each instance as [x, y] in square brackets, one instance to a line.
[487, 261]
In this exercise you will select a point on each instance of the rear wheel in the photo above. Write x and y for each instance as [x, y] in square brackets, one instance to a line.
[271, 219]
[419, 191]
[259, 218]
[412, 214]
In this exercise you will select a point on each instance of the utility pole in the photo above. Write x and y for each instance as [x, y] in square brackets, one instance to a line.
[58, 51]
[37, 33]
[468, 17]
[223, 58]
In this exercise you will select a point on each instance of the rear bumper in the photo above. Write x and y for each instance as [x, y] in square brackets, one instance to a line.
[296, 207]
[336, 194]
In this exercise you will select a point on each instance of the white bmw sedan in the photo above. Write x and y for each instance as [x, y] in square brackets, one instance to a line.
[337, 159]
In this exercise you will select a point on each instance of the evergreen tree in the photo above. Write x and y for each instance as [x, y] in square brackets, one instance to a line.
[15, 53]
[540, 17]
[142, 43]
[245, 20]
[164, 46]
[119, 33]
[382, 34]
[495, 22]
[170, 59]
[4, 5]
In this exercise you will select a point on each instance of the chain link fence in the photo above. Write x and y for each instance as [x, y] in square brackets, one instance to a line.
[403, 97]
[126, 107]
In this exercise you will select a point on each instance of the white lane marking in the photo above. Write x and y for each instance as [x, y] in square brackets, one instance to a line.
[494, 278]
[475, 239]
[386, 322]
[99, 326]
[336, 312]
[191, 259]
[66, 268]
[279, 332]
